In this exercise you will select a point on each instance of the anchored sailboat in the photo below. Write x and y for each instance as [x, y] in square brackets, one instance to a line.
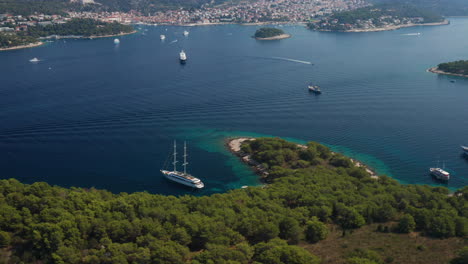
[182, 177]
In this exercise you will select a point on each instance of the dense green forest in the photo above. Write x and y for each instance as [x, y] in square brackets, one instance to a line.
[458, 67]
[76, 27]
[28, 7]
[11, 40]
[443, 7]
[79, 27]
[374, 12]
[268, 32]
[312, 192]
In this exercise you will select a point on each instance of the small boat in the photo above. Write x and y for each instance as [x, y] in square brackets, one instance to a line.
[116, 41]
[162, 37]
[182, 177]
[452, 81]
[183, 57]
[440, 173]
[465, 150]
[186, 33]
[34, 60]
[315, 89]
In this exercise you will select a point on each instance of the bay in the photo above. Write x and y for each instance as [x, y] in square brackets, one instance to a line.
[95, 114]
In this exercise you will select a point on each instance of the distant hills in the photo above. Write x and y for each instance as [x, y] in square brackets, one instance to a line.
[26, 7]
[442, 7]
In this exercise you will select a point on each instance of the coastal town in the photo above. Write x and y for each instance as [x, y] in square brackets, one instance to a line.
[296, 11]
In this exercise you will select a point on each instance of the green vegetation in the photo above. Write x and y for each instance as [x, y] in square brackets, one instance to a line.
[75, 27]
[457, 67]
[268, 32]
[443, 7]
[378, 16]
[28, 7]
[11, 40]
[79, 27]
[315, 197]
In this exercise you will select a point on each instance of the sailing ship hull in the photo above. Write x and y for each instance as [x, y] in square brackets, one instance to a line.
[465, 150]
[171, 176]
[439, 174]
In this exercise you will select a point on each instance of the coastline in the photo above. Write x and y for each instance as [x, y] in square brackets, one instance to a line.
[445, 22]
[32, 45]
[234, 146]
[437, 71]
[40, 43]
[282, 36]
[88, 37]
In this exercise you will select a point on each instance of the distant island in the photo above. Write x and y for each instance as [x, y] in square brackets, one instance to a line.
[378, 18]
[74, 28]
[269, 33]
[456, 68]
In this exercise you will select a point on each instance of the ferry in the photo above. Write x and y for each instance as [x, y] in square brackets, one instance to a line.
[182, 177]
[162, 37]
[183, 57]
[315, 89]
[465, 150]
[440, 174]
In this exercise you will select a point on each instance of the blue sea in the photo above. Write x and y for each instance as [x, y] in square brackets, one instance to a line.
[94, 114]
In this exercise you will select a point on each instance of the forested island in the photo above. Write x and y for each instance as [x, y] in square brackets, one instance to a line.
[318, 206]
[87, 28]
[378, 18]
[456, 68]
[269, 33]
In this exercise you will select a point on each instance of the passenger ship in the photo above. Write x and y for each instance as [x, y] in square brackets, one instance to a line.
[440, 174]
[182, 177]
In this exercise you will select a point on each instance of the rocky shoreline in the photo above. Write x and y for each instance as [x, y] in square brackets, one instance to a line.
[282, 36]
[32, 45]
[389, 28]
[437, 71]
[234, 145]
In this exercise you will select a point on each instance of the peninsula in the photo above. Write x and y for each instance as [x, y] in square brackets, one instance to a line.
[378, 18]
[318, 207]
[269, 33]
[455, 68]
[74, 28]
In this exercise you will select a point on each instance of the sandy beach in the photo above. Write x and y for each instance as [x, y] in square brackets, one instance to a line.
[32, 45]
[282, 36]
[235, 144]
[437, 71]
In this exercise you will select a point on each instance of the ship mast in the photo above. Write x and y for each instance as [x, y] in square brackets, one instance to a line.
[185, 158]
[175, 157]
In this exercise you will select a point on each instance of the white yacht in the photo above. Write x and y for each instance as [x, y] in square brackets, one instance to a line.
[162, 37]
[186, 33]
[465, 149]
[183, 57]
[34, 60]
[116, 41]
[182, 177]
[440, 174]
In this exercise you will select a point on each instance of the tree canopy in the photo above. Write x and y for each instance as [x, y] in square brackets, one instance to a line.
[306, 197]
[268, 32]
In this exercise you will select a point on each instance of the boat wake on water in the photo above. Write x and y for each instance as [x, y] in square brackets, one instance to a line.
[411, 34]
[291, 60]
[174, 41]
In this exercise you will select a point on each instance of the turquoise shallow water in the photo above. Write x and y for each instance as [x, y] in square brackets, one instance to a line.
[94, 114]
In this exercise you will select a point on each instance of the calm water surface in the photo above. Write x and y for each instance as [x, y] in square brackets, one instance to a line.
[94, 114]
